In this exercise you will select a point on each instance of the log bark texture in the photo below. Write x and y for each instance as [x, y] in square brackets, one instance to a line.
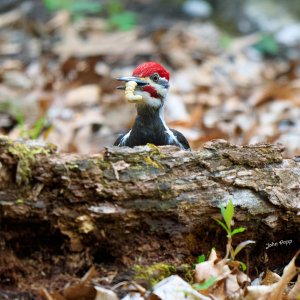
[148, 203]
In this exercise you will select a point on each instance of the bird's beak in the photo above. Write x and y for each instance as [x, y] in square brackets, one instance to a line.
[140, 82]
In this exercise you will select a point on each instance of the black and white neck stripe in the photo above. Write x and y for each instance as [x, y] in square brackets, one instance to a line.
[150, 127]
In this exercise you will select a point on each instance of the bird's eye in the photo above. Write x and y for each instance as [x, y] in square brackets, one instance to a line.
[155, 77]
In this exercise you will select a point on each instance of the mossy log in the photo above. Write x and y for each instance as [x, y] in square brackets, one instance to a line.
[146, 204]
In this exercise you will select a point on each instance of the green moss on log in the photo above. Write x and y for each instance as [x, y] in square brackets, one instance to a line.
[26, 157]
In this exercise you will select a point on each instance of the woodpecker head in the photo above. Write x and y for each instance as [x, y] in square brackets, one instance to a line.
[152, 83]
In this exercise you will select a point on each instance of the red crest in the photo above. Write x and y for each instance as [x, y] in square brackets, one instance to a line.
[148, 68]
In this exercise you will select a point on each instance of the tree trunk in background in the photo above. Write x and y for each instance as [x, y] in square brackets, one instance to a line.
[147, 204]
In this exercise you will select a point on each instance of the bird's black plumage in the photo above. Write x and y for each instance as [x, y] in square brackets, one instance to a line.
[181, 139]
[149, 127]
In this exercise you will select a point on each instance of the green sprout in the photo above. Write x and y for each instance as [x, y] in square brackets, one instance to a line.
[227, 214]
[35, 131]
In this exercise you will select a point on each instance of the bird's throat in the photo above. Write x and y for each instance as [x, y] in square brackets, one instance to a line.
[149, 126]
[148, 113]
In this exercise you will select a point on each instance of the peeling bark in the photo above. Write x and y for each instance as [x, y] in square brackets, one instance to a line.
[152, 203]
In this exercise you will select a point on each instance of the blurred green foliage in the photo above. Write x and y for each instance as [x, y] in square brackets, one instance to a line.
[226, 40]
[117, 16]
[6, 106]
[267, 45]
[78, 8]
[35, 131]
[28, 132]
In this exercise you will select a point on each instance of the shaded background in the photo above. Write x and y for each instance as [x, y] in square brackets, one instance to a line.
[234, 69]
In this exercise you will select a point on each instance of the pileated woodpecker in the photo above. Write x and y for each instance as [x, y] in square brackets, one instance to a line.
[152, 84]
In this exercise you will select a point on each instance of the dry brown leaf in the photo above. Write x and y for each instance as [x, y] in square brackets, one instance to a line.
[289, 272]
[260, 292]
[45, 295]
[270, 278]
[242, 278]
[176, 109]
[84, 95]
[276, 290]
[83, 289]
[213, 267]
[232, 287]
[105, 294]
[294, 293]
[10, 17]
[116, 43]
[17, 79]
[60, 19]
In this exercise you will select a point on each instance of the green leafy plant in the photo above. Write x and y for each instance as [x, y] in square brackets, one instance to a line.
[118, 17]
[267, 45]
[226, 40]
[34, 132]
[78, 8]
[227, 214]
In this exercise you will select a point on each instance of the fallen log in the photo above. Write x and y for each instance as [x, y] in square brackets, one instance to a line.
[147, 204]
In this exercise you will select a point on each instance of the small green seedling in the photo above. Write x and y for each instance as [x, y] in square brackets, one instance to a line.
[227, 214]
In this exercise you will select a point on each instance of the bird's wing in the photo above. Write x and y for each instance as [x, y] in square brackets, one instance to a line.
[181, 139]
[119, 139]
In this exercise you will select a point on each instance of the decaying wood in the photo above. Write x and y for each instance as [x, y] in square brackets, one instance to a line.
[152, 203]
